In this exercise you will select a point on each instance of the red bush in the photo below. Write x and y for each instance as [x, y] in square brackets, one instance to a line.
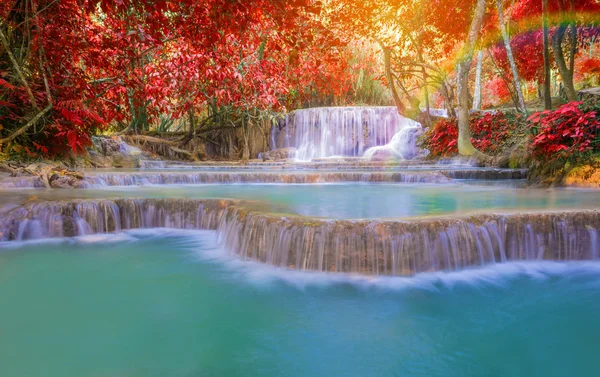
[489, 131]
[570, 130]
[441, 139]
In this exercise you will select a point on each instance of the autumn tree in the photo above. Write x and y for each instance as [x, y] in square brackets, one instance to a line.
[565, 19]
[465, 147]
[74, 66]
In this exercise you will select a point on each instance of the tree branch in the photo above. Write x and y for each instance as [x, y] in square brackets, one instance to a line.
[17, 68]
[33, 121]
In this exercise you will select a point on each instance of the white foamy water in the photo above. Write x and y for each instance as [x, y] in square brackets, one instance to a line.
[348, 131]
[203, 245]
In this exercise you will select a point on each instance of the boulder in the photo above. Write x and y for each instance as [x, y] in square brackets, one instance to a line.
[114, 152]
[384, 154]
[279, 154]
[64, 181]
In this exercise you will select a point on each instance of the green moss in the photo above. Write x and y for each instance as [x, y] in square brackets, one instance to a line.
[312, 224]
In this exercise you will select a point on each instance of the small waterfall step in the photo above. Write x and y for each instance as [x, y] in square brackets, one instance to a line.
[384, 247]
[414, 174]
[347, 131]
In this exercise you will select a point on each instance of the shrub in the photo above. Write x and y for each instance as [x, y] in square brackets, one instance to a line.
[570, 132]
[489, 132]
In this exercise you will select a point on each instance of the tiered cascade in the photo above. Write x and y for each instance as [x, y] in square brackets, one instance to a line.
[346, 131]
[361, 246]
[95, 180]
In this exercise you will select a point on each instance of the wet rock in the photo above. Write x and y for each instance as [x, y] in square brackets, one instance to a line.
[384, 155]
[279, 154]
[64, 181]
[164, 148]
[502, 161]
[487, 174]
[41, 174]
[113, 152]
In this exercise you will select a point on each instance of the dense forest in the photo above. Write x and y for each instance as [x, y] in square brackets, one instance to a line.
[223, 71]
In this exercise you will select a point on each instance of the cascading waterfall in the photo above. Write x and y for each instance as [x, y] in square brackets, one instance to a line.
[361, 246]
[133, 179]
[408, 247]
[179, 178]
[402, 146]
[343, 131]
[83, 217]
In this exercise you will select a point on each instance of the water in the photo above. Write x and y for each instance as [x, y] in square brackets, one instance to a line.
[347, 200]
[319, 174]
[342, 131]
[403, 145]
[170, 303]
[193, 300]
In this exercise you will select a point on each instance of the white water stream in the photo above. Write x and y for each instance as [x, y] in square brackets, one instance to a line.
[351, 131]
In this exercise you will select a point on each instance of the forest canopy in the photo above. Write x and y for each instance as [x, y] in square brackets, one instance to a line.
[70, 69]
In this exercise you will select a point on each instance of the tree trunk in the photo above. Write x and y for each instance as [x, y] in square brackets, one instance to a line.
[465, 147]
[565, 73]
[387, 59]
[573, 49]
[192, 129]
[448, 94]
[17, 68]
[245, 147]
[547, 94]
[477, 95]
[36, 118]
[425, 82]
[427, 105]
[511, 59]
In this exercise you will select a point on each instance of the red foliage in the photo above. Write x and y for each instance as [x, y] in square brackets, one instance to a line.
[590, 66]
[488, 133]
[568, 131]
[441, 139]
[125, 62]
[533, 8]
[529, 60]
[495, 92]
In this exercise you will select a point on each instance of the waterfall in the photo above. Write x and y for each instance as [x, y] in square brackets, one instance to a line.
[403, 145]
[82, 217]
[134, 179]
[343, 131]
[384, 247]
[95, 180]
[408, 247]
[109, 146]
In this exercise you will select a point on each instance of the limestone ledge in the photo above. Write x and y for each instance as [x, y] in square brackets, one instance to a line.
[377, 247]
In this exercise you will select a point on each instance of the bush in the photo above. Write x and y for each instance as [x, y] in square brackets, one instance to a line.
[489, 132]
[570, 132]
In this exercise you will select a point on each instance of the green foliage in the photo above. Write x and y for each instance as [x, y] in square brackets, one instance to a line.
[165, 123]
